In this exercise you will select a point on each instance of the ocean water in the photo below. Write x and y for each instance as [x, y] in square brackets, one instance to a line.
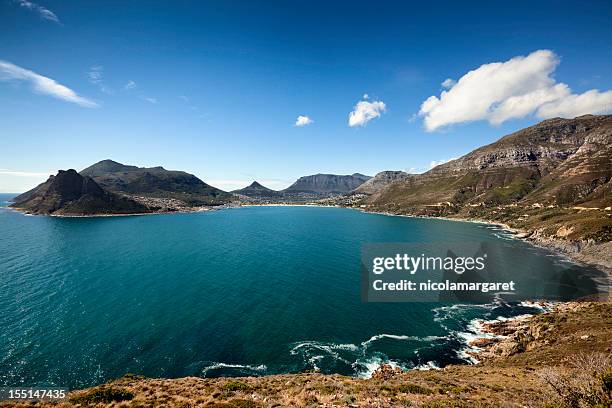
[246, 291]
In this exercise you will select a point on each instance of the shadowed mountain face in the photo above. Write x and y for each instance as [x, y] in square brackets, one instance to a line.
[324, 184]
[556, 162]
[69, 193]
[380, 181]
[155, 182]
[256, 190]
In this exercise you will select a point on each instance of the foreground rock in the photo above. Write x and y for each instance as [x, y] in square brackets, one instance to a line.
[575, 332]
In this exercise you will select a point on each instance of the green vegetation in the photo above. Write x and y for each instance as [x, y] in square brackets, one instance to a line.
[236, 386]
[413, 389]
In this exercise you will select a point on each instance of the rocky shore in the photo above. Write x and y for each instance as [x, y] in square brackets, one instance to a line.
[532, 361]
[581, 250]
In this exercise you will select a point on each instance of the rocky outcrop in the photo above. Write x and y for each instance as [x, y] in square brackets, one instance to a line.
[326, 184]
[69, 193]
[155, 182]
[380, 181]
[508, 337]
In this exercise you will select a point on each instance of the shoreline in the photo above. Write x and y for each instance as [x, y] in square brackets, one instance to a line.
[198, 210]
[557, 246]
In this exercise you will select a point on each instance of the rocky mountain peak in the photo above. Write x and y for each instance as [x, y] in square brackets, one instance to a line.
[71, 193]
[255, 184]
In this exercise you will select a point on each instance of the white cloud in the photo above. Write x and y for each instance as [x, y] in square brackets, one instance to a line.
[8, 172]
[303, 121]
[365, 111]
[435, 163]
[42, 85]
[184, 98]
[522, 105]
[129, 85]
[592, 101]
[43, 12]
[96, 77]
[500, 91]
[95, 74]
[448, 83]
[149, 99]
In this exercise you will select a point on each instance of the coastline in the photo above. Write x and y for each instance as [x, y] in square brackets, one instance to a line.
[199, 209]
[557, 246]
[575, 252]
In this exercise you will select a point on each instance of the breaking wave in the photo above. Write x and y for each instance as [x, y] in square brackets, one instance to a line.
[239, 368]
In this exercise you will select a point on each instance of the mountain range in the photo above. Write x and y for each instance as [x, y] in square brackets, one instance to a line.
[110, 187]
[552, 180]
[556, 162]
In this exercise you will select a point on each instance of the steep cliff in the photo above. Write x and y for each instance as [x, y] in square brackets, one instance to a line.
[323, 184]
[556, 162]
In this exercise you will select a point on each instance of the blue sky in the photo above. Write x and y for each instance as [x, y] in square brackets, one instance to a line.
[215, 87]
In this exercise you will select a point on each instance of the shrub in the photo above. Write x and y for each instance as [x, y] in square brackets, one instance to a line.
[607, 380]
[410, 388]
[236, 386]
[243, 403]
[105, 395]
[586, 383]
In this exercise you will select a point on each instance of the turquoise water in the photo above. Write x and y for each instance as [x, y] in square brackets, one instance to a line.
[248, 291]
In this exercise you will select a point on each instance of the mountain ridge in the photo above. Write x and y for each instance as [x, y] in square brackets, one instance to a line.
[551, 181]
[155, 183]
[380, 180]
[525, 161]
